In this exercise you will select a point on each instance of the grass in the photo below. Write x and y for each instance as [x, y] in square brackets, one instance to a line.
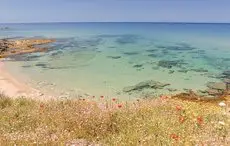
[84, 122]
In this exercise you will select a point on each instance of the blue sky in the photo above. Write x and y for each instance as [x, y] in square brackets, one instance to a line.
[114, 10]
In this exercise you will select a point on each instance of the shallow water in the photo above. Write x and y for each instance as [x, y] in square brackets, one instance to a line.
[104, 58]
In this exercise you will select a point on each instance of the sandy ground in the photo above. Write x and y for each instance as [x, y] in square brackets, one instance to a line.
[11, 87]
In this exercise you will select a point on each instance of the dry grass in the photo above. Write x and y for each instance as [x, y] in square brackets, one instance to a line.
[84, 122]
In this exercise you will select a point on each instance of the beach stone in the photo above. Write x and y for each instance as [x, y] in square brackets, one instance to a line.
[217, 86]
[145, 84]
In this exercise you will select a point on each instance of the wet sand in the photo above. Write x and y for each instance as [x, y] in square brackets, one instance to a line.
[13, 88]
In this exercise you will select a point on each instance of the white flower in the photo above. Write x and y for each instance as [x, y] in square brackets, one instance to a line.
[221, 123]
[222, 104]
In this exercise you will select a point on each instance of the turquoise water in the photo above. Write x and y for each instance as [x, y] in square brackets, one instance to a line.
[104, 58]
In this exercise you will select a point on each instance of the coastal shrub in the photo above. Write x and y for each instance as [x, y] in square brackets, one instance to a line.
[162, 121]
[5, 101]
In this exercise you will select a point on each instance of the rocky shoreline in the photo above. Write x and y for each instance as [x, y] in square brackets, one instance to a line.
[10, 47]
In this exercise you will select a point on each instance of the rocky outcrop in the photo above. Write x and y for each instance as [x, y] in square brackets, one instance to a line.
[217, 86]
[145, 84]
[15, 47]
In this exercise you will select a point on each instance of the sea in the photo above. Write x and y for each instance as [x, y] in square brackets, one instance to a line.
[122, 60]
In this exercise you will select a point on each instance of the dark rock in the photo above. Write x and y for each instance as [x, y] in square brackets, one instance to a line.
[200, 70]
[41, 65]
[138, 65]
[153, 55]
[56, 53]
[131, 53]
[114, 57]
[169, 64]
[145, 84]
[26, 66]
[178, 47]
[226, 74]
[183, 71]
[152, 50]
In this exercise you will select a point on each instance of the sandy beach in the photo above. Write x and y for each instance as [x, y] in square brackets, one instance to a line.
[11, 87]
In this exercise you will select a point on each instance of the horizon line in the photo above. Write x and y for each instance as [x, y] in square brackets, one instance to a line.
[177, 22]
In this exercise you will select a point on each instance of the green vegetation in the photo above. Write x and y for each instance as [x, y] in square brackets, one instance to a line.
[163, 121]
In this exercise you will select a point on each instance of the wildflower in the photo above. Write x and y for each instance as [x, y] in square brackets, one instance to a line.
[221, 123]
[113, 99]
[93, 96]
[174, 136]
[138, 100]
[178, 108]
[181, 119]
[83, 99]
[222, 104]
[199, 120]
[42, 105]
[119, 105]
[163, 97]
[102, 96]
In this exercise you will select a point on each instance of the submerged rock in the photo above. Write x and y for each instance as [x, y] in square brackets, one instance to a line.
[152, 50]
[169, 64]
[131, 53]
[145, 84]
[200, 70]
[114, 57]
[153, 55]
[138, 66]
[226, 74]
[127, 39]
[171, 71]
[178, 47]
[216, 86]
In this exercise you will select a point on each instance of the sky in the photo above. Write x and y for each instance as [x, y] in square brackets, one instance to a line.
[26, 11]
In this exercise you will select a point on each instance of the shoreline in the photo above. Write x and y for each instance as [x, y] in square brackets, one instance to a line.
[12, 87]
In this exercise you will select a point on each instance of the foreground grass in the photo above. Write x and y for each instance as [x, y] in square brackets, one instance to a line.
[110, 122]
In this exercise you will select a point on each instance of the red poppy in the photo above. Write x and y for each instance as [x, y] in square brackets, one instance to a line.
[181, 119]
[163, 97]
[174, 136]
[42, 105]
[199, 120]
[113, 99]
[178, 108]
[119, 105]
